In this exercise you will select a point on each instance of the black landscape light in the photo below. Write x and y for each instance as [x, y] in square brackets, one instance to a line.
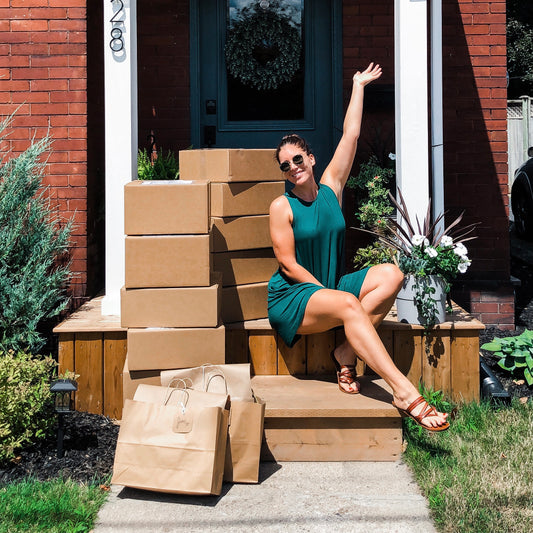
[63, 391]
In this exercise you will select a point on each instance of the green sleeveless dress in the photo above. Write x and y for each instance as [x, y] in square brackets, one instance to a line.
[319, 230]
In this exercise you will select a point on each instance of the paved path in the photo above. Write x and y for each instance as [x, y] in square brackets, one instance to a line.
[291, 497]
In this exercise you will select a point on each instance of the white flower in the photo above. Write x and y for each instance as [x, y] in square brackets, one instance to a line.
[431, 251]
[462, 267]
[461, 251]
[417, 240]
[446, 241]
[392, 156]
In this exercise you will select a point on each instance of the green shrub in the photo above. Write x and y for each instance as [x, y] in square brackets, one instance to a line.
[31, 242]
[165, 166]
[26, 409]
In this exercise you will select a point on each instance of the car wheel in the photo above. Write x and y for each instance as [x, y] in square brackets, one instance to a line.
[522, 205]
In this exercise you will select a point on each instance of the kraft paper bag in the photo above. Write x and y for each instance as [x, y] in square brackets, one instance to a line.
[233, 379]
[178, 395]
[245, 436]
[171, 448]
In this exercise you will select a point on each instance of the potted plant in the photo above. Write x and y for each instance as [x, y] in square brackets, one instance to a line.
[430, 260]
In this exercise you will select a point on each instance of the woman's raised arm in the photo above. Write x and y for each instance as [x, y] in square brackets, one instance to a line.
[338, 170]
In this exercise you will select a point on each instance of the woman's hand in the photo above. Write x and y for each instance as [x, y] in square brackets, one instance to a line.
[372, 72]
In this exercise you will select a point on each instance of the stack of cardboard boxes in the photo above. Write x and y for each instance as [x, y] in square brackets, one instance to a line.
[198, 256]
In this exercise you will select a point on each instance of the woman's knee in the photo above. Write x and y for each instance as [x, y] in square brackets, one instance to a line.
[349, 305]
[390, 276]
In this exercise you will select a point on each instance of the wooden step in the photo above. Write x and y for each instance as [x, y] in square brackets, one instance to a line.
[308, 418]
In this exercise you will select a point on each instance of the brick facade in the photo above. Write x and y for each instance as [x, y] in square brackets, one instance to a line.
[51, 65]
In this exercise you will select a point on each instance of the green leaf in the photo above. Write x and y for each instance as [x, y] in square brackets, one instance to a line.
[528, 376]
[506, 364]
[491, 346]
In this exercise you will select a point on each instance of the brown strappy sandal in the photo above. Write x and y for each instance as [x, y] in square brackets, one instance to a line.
[345, 376]
[427, 410]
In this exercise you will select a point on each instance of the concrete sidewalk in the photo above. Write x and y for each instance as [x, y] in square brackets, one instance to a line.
[291, 497]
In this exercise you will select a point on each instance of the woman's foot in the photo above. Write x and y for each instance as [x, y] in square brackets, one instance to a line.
[422, 413]
[346, 376]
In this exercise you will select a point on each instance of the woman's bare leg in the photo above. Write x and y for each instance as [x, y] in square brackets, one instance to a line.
[330, 308]
[377, 295]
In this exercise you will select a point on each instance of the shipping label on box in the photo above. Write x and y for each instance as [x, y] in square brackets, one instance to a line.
[240, 233]
[245, 266]
[244, 302]
[180, 307]
[168, 261]
[243, 199]
[170, 348]
[228, 164]
[166, 207]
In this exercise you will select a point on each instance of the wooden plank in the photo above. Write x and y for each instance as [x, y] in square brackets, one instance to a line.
[319, 347]
[436, 362]
[331, 439]
[88, 349]
[292, 361]
[408, 347]
[263, 352]
[65, 354]
[115, 349]
[236, 346]
[465, 366]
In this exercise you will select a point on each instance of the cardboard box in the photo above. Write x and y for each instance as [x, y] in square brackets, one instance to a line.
[131, 379]
[228, 164]
[170, 348]
[168, 261]
[241, 199]
[240, 233]
[180, 307]
[245, 266]
[244, 302]
[166, 207]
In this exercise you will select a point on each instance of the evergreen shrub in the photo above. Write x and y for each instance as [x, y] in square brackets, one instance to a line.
[26, 407]
[32, 240]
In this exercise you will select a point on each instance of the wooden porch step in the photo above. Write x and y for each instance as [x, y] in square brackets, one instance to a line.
[307, 418]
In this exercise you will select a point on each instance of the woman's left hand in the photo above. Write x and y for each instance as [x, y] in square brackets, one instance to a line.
[372, 72]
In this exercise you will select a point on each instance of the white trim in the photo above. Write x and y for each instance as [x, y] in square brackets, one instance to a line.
[411, 96]
[120, 141]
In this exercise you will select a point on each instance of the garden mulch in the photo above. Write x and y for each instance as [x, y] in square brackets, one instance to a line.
[90, 440]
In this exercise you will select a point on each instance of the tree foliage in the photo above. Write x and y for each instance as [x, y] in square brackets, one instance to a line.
[32, 239]
[520, 47]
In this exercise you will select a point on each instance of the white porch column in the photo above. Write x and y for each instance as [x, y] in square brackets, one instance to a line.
[120, 51]
[411, 89]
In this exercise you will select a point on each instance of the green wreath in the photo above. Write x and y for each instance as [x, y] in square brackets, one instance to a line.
[263, 49]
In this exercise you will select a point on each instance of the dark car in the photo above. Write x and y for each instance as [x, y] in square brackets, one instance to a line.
[522, 198]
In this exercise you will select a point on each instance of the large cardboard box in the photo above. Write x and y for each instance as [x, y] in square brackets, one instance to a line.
[240, 233]
[180, 307]
[245, 266]
[166, 207]
[131, 379]
[244, 302]
[170, 348]
[168, 261]
[247, 198]
[228, 164]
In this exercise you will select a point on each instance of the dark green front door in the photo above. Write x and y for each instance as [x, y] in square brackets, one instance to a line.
[261, 69]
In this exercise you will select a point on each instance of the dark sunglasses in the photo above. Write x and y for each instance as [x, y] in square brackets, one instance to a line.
[298, 159]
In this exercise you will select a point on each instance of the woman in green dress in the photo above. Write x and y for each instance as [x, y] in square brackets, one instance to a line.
[308, 294]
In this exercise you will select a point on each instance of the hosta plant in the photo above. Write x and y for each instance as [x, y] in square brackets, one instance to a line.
[515, 354]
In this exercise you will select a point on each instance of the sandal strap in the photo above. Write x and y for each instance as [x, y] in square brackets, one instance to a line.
[347, 375]
[427, 410]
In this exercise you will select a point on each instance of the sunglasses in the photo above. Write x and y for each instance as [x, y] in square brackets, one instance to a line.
[298, 159]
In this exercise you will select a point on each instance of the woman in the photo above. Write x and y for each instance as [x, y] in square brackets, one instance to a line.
[308, 294]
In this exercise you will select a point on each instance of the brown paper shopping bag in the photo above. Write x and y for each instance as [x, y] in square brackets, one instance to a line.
[177, 448]
[233, 379]
[245, 436]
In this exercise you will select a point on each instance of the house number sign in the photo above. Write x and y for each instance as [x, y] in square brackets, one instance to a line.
[117, 40]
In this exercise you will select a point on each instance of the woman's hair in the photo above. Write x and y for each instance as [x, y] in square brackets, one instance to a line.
[293, 138]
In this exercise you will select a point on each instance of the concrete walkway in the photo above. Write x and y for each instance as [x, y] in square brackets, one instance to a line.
[291, 497]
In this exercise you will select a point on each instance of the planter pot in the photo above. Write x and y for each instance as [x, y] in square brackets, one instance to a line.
[405, 303]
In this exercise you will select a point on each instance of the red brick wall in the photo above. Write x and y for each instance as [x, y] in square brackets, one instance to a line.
[163, 66]
[43, 69]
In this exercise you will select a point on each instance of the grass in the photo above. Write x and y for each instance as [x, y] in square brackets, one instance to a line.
[478, 475]
[58, 506]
